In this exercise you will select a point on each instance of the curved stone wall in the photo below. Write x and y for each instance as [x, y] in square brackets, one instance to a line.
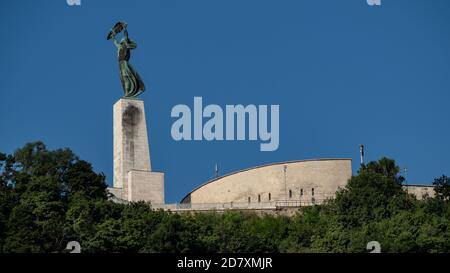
[306, 181]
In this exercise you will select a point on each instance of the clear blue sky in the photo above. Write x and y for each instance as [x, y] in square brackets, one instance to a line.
[342, 72]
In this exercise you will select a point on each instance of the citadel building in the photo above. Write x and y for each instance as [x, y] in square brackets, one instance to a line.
[270, 187]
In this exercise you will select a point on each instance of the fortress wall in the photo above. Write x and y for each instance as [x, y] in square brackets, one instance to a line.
[284, 181]
[420, 191]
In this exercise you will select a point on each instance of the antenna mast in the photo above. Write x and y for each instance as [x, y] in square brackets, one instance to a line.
[361, 153]
[216, 170]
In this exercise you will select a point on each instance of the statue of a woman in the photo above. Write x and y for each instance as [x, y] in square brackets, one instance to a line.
[132, 84]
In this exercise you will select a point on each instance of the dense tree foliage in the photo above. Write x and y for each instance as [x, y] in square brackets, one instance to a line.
[48, 198]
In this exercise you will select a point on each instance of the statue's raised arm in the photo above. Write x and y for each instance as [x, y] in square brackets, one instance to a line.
[117, 28]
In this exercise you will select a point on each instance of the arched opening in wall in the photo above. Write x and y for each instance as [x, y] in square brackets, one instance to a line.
[259, 198]
[249, 199]
[301, 192]
[290, 193]
[270, 196]
[312, 191]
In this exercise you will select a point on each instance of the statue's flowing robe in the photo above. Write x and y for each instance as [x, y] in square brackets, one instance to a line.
[132, 84]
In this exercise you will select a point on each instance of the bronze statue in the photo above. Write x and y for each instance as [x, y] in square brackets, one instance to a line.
[132, 84]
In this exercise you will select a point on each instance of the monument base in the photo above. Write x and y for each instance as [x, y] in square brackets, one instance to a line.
[146, 186]
[133, 176]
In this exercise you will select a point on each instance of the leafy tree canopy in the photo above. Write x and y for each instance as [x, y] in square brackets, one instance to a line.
[51, 197]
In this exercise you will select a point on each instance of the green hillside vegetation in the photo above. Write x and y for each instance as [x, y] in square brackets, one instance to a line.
[48, 198]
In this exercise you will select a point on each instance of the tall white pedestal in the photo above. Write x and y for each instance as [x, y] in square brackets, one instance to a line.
[133, 176]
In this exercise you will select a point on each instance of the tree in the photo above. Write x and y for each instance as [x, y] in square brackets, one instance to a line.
[7, 195]
[37, 186]
[369, 196]
[51, 197]
[80, 181]
[442, 187]
[385, 167]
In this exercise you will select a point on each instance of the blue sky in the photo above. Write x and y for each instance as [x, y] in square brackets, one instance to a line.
[343, 73]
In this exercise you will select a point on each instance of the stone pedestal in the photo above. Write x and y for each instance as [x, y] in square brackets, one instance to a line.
[146, 186]
[133, 176]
